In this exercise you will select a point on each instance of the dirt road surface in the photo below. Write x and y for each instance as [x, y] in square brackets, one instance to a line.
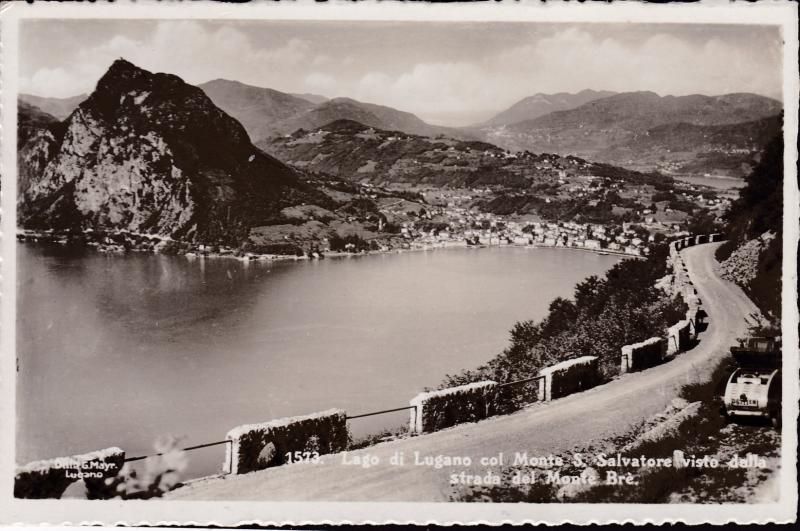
[540, 430]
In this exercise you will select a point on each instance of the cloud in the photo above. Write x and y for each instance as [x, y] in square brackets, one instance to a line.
[318, 82]
[188, 49]
[571, 60]
[432, 73]
[428, 86]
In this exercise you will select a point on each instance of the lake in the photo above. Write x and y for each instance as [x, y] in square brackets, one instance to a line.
[118, 350]
[721, 183]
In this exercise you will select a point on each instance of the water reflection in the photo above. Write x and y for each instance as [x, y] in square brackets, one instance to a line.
[117, 350]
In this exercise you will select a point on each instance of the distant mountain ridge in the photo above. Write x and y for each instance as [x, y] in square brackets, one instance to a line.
[612, 129]
[540, 104]
[60, 108]
[256, 108]
[266, 112]
[313, 98]
[379, 116]
[647, 109]
[148, 153]
[638, 130]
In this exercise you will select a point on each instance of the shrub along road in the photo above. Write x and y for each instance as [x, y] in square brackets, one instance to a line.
[606, 411]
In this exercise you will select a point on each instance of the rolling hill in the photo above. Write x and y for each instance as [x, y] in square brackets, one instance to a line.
[359, 152]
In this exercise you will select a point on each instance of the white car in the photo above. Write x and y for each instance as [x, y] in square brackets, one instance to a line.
[754, 388]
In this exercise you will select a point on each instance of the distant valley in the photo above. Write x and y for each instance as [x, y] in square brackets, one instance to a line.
[645, 131]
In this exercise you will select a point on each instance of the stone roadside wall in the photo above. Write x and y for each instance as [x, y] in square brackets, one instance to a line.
[436, 410]
[678, 338]
[50, 478]
[643, 355]
[258, 446]
[569, 377]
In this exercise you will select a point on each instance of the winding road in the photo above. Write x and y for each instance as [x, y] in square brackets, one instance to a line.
[541, 429]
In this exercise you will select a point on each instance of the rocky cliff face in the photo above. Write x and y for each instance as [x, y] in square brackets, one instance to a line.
[149, 153]
[741, 266]
[753, 255]
[39, 135]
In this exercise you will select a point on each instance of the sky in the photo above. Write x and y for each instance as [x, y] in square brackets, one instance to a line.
[447, 73]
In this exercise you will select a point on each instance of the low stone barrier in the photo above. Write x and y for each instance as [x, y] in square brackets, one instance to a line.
[678, 337]
[642, 355]
[258, 446]
[569, 377]
[51, 477]
[436, 410]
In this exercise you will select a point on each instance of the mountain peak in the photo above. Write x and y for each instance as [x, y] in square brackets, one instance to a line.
[122, 69]
[157, 156]
[122, 77]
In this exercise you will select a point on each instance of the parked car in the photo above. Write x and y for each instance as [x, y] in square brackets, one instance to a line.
[754, 387]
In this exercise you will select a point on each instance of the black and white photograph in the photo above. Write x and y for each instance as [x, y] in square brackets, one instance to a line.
[470, 261]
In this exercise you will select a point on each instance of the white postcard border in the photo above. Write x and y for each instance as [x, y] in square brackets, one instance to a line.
[154, 512]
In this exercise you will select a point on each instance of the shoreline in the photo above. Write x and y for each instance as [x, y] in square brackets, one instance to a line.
[70, 240]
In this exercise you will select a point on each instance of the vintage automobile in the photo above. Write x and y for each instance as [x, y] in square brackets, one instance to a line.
[754, 387]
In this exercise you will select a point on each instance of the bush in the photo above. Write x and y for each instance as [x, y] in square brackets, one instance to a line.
[604, 315]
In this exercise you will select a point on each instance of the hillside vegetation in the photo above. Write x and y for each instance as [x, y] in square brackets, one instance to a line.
[359, 152]
[753, 254]
[604, 314]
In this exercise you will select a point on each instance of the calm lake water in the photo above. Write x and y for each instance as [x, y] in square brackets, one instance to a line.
[722, 183]
[118, 350]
